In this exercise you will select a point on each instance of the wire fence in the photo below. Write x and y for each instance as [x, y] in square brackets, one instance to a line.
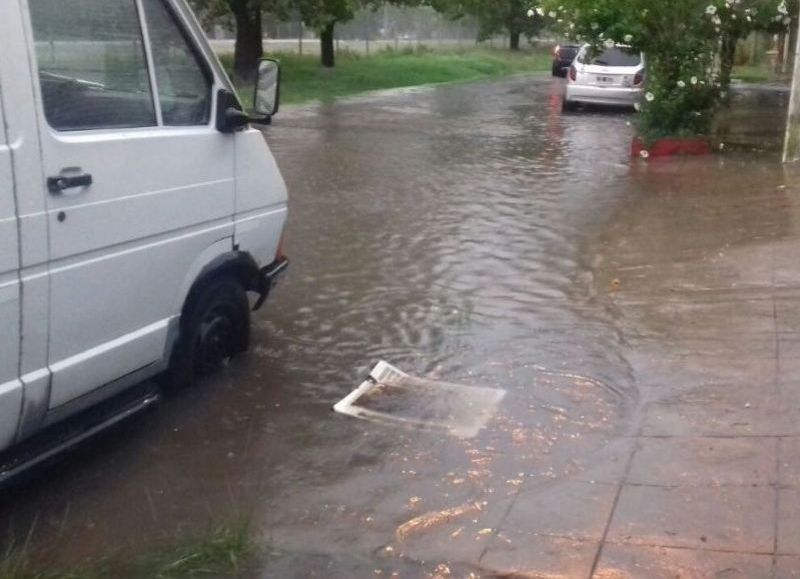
[387, 28]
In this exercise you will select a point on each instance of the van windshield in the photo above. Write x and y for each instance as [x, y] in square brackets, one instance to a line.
[611, 57]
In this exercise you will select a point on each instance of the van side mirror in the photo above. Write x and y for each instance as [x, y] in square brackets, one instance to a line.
[231, 117]
[268, 80]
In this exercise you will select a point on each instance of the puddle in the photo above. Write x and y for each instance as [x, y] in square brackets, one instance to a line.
[390, 395]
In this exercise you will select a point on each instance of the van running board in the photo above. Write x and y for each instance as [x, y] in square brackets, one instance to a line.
[66, 435]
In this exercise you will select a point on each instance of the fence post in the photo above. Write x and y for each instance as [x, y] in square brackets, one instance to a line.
[366, 30]
[299, 34]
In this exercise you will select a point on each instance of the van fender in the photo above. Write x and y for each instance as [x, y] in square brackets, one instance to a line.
[220, 258]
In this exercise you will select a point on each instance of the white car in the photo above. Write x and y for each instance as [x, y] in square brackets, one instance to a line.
[138, 208]
[612, 77]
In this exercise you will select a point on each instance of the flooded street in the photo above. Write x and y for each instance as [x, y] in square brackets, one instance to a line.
[643, 319]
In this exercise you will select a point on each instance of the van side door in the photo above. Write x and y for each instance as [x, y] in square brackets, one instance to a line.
[10, 292]
[139, 181]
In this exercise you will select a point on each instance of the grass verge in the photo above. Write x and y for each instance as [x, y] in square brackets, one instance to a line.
[225, 551]
[757, 74]
[303, 79]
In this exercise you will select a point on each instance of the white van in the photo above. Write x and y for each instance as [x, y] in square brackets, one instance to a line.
[137, 209]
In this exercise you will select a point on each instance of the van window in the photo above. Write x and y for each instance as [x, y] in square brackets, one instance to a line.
[184, 85]
[92, 64]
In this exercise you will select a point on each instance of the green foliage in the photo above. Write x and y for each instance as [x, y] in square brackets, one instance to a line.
[689, 45]
[493, 16]
[219, 11]
[320, 13]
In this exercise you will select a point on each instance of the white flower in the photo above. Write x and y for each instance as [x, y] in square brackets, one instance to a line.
[552, 14]
[782, 9]
[572, 26]
[644, 154]
[649, 97]
[681, 84]
[595, 26]
[540, 11]
[693, 80]
[531, 12]
[711, 9]
[637, 106]
[610, 43]
[628, 38]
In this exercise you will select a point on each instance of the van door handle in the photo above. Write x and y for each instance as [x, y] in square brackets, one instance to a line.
[57, 185]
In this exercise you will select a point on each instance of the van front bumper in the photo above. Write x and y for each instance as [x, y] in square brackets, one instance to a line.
[268, 279]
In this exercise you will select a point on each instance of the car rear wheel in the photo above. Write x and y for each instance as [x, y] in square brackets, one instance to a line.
[215, 327]
[568, 106]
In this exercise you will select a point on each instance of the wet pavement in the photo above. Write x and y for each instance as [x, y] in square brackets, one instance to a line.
[644, 320]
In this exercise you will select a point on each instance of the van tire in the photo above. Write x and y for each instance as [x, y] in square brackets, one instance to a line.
[214, 328]
[568, 106]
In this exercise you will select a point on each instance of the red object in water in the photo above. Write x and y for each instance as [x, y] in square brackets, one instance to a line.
[671, 147]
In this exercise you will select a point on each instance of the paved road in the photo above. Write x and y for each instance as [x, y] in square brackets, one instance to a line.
[641, 318]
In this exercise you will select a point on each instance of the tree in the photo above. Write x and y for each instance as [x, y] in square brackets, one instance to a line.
[247, 18]
[322, 15]
[494, 16]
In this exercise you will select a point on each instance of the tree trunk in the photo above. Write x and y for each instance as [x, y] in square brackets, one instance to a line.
[249, 48]
[727, 59]
[792, 45]
[326, 46]
[513, 37]
[780, 57]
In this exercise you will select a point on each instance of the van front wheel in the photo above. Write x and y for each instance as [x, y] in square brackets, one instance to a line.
[216, 329]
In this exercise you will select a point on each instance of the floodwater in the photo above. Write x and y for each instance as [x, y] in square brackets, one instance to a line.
[469, 233]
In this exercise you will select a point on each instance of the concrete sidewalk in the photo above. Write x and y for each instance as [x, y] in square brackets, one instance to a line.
[705, 272]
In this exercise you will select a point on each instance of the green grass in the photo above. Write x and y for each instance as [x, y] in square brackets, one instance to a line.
[303, 79]
[756, 74]
[225, 551]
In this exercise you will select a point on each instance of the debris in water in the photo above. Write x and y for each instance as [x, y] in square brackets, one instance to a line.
[432, 519]
[390, 395]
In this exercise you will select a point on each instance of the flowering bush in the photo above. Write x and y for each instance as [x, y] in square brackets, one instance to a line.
[689, 47]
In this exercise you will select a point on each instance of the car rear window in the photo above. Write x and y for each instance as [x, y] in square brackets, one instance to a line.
[612, 57]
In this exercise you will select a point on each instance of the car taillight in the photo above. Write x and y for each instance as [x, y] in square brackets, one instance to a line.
[639, 78]
[573, 73]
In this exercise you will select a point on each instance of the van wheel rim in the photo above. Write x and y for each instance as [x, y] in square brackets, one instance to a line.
[214, 341]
